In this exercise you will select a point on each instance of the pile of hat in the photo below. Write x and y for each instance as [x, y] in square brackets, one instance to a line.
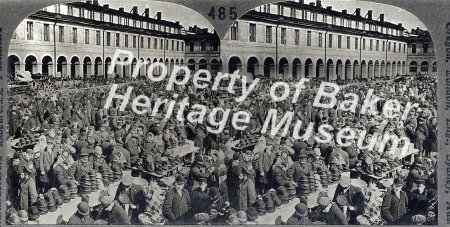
[73, 189]
[51, 202]
[65, 193]
[380, 166]
[85, 184]
[93, 177]
[260, 206]
[41, 204]
[28, 140]
[105, 171]
[270, 205]
[116, 173]
[312, 183]
[276, 200]
[247, 140]
[58, 200]
[324, 178]
[291, 189]
[283, 194]
[335, 174]
[304, 185]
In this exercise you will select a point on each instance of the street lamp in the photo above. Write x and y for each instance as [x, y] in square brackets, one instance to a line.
[360, 54]
[326, 62]
[55, 60]
[279, 20]
[105, 26]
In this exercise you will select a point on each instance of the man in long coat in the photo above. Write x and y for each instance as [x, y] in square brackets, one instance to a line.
[177, 202]
[395, 203]
[247, 191]
[27, 192]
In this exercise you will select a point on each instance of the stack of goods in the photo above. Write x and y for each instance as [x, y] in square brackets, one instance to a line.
[85, 184]
[42, 205]
[64, 192]
[260, 206]
[324, 178]
[59, 201]
[51, 203]
[116, 173]
[111, 176]
[335, 174]
[276, 200]
[93, 177]
[104, 171]
[304, 186]
[73, 189]
[380, 167]
[27, 140]
[283, 194]
[312, 183]
[291, 189]
[247, 140]
[270, 206]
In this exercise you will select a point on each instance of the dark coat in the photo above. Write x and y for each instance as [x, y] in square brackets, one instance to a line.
[116, 216]
[201, 201]
[247, 194]
[265, 162]
[77, 169]
[335, 216]
[393, 208]
[59, 175]
[78, 219]
[27, 193]
[297, 170]
[297, 219]
[135, 193]
[176, 207]
[354, 197]
[278, 177]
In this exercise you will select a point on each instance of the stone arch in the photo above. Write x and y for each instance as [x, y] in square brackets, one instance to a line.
[87, 63]
[296, 68]
[75, 66]
[191, 64]
[283, 67]
[377, 69]
[340, 74]
[234, 64]
[363, 69]
[424, 67]
[253, 66]
[370, 70]
[269, 67]
[62, 67]
[309, 68]
[330, 70]
[348, 70]
[202, 64]
[394, 68]
[215, 66]
[320, 69]
[31, 64]
[47, 65]
[13, 65]
[434, 69]
[356, 70]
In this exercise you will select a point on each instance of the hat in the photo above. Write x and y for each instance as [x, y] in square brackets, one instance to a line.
[283, 194]
[106, 201]
[233, 220]
[236, 156]
[84, 152]
[242, 216]
[124, 198]
[420, 181]
[418, 219]
[260, 206]
[14, 219]
[180, 180]
[252, 214]
[202, 179]
[317, 151]
[23, 215]
[83, 208]
[42, 205]
[33, 213]
[214, 193]
[345, 182]
[276, 200]
[127, 180]
[270, 207]
[301, 209]
[201, 217]
[398, 181]
[324, 201]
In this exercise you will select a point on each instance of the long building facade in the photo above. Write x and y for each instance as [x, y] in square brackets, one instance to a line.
[285, 40]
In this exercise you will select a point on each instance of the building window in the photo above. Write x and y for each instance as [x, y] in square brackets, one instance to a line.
[280, 10]
[74, 35]
[30, 30]
[399, 48]
[61, 34]
[86, 36]
[383, 46]
[202, 46]
[319, 41]
[348, 42]
[81, 13]
[305, 15]
[215, 46]
[325, 19]
[57, 8]
[178, 45]
[395, 47]
[293, 12]
[108, 38]
[364, 44]
[356, 43]
[268, 34]
[413, 48]
[191, 46]
[161, 44]
[330, 40]
[46, 32]
[97, 37]
[370, 45]
[148, 42]
[234, 31]
[252, 32]
[166, 45]
[357, 24]
[182, 46]
[308, 38]
[389, 46]
[141, 42]
[297, 37]
[134, 41]
[377, 45]
[126, 40]
[424, 48]
[173, 44]
[117, 39]
[404, 48]
[283, 35]
[155, 43]
[70, 10]
[341, 21]
[339, 41]
[333, 20]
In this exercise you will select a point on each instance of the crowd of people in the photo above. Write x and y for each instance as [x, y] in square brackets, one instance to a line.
[64, 144]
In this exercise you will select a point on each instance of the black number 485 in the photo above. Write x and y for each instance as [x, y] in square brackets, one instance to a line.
[222, 13]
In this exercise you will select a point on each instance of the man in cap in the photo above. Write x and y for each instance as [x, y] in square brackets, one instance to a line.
[136, 194]
[246, 162]
[395, 203]
[200, 197]
[419, 198]
[27, 191]
[317, 161]
[354, 196]
[247, 191]
[266, 159]
[97, 159]
[81, 217]
[330, 212]
[112, 212]
[299, 168]
[300, 217]
[60, 173]
[177, 202]
[80, 167]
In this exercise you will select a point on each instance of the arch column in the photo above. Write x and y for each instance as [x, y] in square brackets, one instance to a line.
[39, 68]
[351, 75]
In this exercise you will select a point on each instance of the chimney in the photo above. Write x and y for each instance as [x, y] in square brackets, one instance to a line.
[329, 8]
[158, 15]
[358, 12]
[311, 3]
[382, 17]
[135, 10]
[121, 9]
[106, 6]
[95, 2]
[89, 2]
[147, 12]
[344, 11]
[369, 14]
[301, 1]
[319, 3]
[400, 24]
